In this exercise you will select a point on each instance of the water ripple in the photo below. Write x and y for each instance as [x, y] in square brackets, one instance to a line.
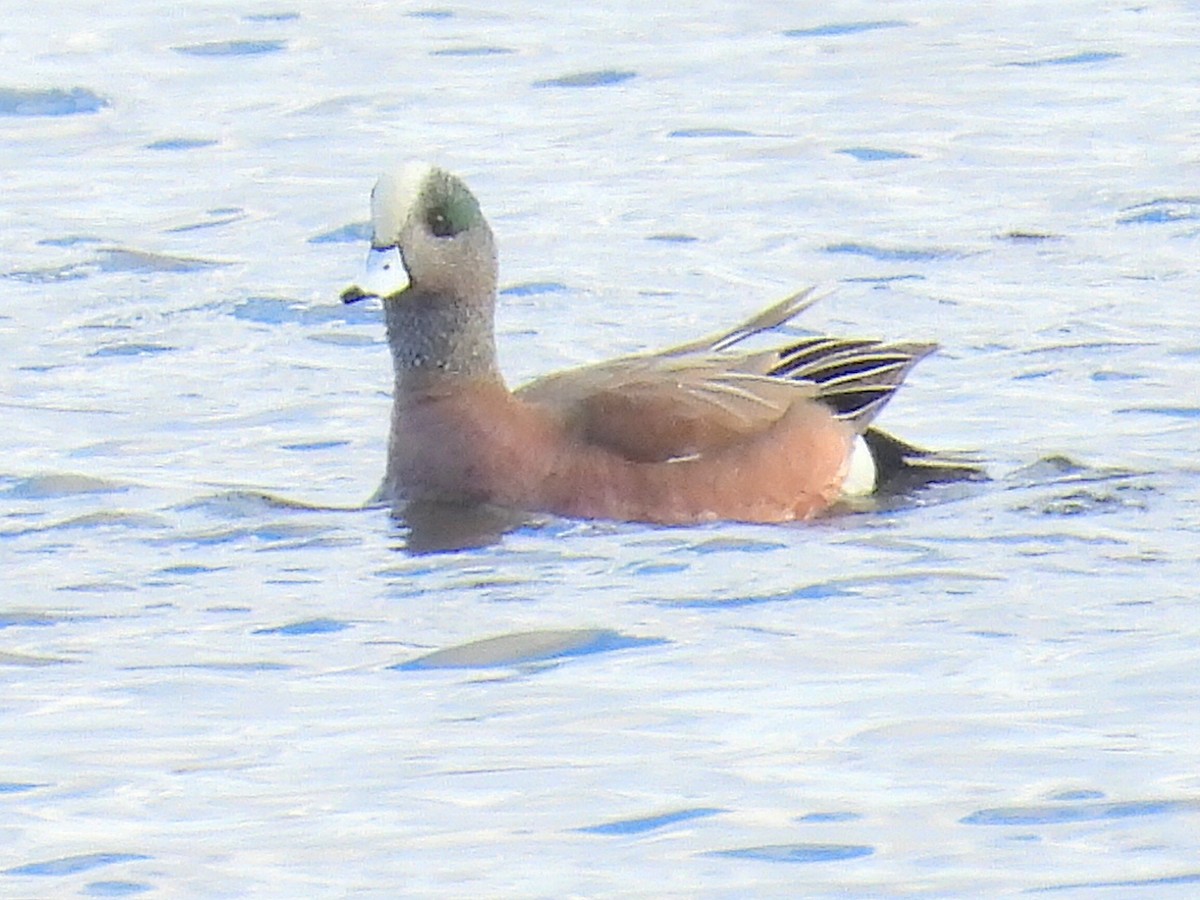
[26, 619]
[115, 260]
[598, 78]
[60, 484]
[1161, 210]
[1057, 814]
[714, 132]
[18, 787]
[1071, 59]
[130, 348]
[116, 888]
[1171, 412]
[484, 50]
[797, 853]
[892, 254]
[49, 102]
[272, 17]
[1077, 489]
[1154, 881]
[305, 628]
[822, 591]
[286, 311]
[181, 143]
[876, 154]
[353, 233]
[217, 218]
[825, 817]
[527, 647]
[73, 865]
[840, 29]
[232, 48]
[533, 288]
[644, 824]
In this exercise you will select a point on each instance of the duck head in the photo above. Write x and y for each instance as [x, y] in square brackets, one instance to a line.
[429, 237]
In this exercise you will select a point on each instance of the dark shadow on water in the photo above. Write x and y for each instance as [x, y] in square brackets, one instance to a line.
[428, 527]
[434, 527]
[911, 478]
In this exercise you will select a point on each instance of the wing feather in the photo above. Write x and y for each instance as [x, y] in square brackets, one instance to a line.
[701, 396]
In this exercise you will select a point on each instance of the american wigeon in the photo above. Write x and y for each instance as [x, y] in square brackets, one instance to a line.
[695, 433]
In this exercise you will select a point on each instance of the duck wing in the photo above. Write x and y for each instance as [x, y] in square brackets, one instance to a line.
[702, 396]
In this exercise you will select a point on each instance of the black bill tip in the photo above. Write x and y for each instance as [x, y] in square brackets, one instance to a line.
[354, 293]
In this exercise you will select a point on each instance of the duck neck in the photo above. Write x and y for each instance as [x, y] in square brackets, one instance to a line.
[432, 339]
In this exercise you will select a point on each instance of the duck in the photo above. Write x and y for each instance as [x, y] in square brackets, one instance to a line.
[709, 430]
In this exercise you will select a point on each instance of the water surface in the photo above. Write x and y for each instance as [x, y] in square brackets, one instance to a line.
[224, 678]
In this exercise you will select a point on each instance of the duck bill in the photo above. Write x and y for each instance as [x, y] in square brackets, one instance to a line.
[384, 276]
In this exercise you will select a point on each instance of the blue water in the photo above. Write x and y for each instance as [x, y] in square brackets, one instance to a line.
[222, 678]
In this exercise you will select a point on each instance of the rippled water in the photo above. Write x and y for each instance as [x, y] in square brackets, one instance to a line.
[222, 678]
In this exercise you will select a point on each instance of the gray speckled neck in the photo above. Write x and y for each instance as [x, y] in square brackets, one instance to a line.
[431, 336]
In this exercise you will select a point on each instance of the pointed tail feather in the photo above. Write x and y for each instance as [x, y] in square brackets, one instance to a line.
[771, 317]
[903, 466]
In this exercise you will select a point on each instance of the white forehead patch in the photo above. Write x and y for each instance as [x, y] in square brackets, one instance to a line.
[393, 200]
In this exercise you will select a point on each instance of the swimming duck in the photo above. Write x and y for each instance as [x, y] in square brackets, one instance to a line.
[703, 431]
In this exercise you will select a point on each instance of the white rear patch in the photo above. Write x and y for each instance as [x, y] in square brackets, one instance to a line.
[862, 473]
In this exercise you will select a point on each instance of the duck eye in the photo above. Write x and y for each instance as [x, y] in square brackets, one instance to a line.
[440, 224]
